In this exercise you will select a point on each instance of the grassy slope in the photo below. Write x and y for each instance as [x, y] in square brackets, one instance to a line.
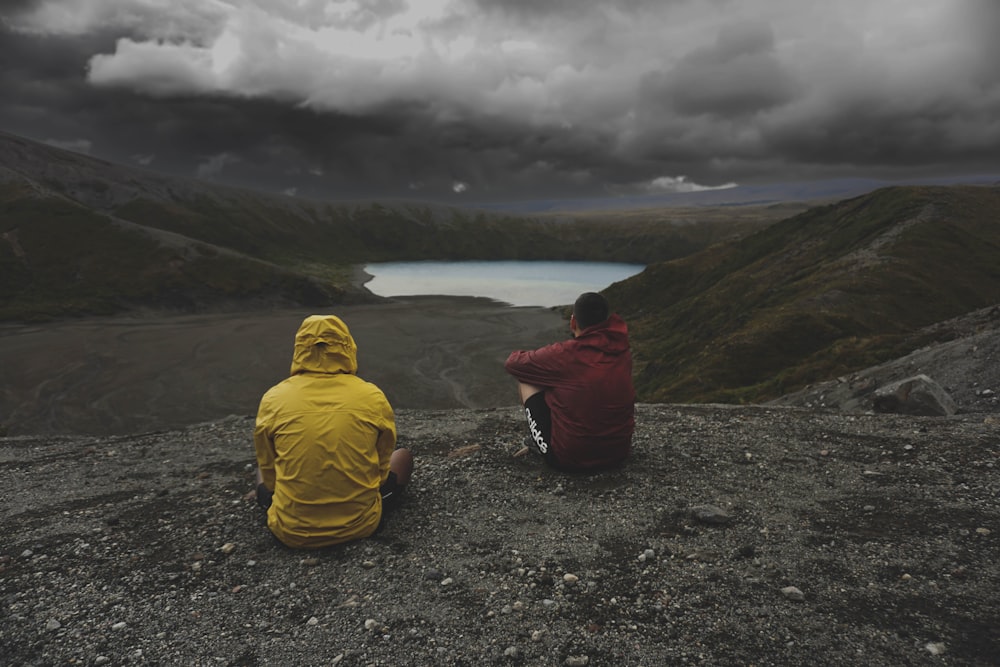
[834, 289]
[67, 260]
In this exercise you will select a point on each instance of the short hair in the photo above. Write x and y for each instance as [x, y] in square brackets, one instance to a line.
[590, 308]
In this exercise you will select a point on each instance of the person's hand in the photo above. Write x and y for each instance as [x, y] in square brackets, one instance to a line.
[251, 495]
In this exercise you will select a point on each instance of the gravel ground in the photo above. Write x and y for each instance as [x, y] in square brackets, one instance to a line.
[733, 536]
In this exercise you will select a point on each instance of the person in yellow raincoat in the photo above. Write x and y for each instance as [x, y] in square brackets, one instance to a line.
[325, 441]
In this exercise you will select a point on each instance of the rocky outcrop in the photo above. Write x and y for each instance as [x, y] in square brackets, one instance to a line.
[918, 395]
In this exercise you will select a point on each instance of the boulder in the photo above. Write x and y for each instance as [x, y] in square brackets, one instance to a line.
[918, 395]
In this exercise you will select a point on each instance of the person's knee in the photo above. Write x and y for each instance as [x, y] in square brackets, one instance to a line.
[401, 463]
[527, 391]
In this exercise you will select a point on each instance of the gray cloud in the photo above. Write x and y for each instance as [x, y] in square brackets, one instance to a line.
[509, 98]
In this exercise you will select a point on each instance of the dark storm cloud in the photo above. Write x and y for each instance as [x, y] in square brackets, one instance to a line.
[509, 98]
[736, 76]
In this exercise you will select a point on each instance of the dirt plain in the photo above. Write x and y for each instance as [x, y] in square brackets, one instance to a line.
[735, 535]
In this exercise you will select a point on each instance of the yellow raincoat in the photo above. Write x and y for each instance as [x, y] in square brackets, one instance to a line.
[323, 439]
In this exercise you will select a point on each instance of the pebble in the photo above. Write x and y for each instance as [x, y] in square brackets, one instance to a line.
[27, 553]
[983, 531]
[313, 621]
[120, 625]
[368, 564]
[510, 652]
[577, 661]
[536, 635]
[227, 548]
[309, 562]
[793, 593]
[371, 624]
[447, 581]
[868, 508]
[53, 624]
[570, 578]
[102, 660]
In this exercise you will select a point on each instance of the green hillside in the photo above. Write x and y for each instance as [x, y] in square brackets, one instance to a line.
[831, 290]
[63, 259]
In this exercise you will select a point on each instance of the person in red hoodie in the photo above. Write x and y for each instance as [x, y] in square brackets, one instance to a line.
[577, 394]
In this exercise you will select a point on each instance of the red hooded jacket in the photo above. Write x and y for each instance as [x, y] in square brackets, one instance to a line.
[588, 383]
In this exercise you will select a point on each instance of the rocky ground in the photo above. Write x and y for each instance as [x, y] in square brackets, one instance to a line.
[734, 536]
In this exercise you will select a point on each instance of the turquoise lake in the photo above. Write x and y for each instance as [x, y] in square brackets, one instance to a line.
[514, 282]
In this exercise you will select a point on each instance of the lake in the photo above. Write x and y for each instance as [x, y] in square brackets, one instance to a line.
[514, 282]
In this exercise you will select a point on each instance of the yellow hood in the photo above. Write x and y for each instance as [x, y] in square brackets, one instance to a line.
[324, 344]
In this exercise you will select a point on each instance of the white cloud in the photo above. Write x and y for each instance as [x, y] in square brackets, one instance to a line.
[459, 187]
[681, 184]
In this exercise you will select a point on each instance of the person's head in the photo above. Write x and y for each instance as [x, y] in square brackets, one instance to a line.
[590, 308]
[323, 344]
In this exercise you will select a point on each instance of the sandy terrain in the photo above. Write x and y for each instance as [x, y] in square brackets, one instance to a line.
[128, 375]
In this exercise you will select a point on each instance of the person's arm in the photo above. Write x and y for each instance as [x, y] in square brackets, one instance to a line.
[264, 447]
[544, 367]
[386, 442]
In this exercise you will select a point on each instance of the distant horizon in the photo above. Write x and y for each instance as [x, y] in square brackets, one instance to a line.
[756, 194]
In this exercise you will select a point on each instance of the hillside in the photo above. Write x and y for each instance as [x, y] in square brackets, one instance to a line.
[832, 290]
[84, 236]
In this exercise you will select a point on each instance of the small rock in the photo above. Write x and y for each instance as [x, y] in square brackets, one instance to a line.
[102, 660]
[577, 661]
[935, 648]
[570, 578]
[309, 562]
[868, 508]
[227, 548]
[371, 624]
[710, 514]
[447, 581]
[536, 636]
[983, 531]
[793, 593]
[312, 621]
[510, 652]
[434, 575]
[368, 564]
[53, 624]
[27, 553]
[120, 625]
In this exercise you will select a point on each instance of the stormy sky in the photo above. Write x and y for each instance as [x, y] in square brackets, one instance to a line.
[493, 100]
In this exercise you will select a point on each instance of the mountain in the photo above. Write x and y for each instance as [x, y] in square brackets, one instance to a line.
[85, 236]
[829, 291]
